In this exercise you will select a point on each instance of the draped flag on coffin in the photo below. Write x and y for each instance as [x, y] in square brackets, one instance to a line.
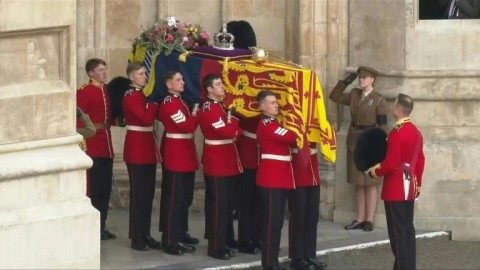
[299, 93]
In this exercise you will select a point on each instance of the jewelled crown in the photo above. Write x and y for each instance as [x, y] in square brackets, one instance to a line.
[223, 40]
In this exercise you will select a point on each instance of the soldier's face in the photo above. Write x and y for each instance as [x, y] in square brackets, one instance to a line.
[176, 84]
[269, 106]
[366, 81]
[139, 77]
[99, 73]
[217, 90]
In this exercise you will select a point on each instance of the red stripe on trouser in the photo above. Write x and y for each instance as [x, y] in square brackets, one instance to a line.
[397, 250]
[172, 200]
[269, 224]
[216, 211]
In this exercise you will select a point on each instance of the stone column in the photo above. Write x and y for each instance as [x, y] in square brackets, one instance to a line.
[46, 221]
[436, 62]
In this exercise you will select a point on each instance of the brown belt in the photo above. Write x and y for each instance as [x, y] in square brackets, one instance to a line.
[101, 125]
[360, 127]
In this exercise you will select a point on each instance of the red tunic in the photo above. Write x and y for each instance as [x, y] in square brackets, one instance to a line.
[275, 168]
[94, 100]
[140, 143]
[179, 152]
[220, 156]
[247, 143]
[306, 174]
[404, 143]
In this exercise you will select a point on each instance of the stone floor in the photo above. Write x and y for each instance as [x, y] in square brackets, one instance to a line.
[116, 254]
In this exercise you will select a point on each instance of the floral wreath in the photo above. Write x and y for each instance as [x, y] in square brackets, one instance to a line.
[168, 35]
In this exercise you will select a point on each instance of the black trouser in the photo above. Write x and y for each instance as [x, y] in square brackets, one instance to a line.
[189, 188]
[101, 185]
[304, 212]
[178, 186]
[250, 210]
[142, 191]
[401, 232]
[161, 224]
[218, 210]
[273, 211]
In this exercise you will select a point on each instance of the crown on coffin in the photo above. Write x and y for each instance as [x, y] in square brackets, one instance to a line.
[223, 40]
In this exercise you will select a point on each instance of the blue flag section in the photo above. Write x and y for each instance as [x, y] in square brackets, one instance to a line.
[193, 71]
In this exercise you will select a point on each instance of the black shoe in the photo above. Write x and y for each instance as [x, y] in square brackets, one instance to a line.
[258, 244]
[355, 225]
[368, 227]
[187, 239]
[249, 248]
[105, 234]
[301, 264]
[187, 248]
[220, 254]
[173, 250]
[319, 265]
[152, 243]
[139, 247]
[275, 267]
[230, 251]
[232, 244]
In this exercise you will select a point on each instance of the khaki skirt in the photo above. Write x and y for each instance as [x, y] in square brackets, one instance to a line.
[356, 177]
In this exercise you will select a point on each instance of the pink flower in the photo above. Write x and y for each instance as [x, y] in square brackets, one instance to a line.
[188, 24]
[204, 35]
[170, 38]
[185, 39]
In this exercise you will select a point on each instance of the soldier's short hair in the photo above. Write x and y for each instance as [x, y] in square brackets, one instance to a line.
[93, 63]
[208, 80]
[133, 66]
[406, 103]
[169, 74]
[263, 94]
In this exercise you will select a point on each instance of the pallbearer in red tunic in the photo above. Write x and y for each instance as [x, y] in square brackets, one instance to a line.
[221, 166]
[249, 219]
[402, 170]
[180, 164]
[93, 99]
[141, 154]
[304, 204]
[274, 176]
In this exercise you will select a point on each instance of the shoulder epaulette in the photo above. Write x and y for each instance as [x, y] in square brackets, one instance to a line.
[206, 106]
[167, 99]
[129, 92]
[399, 126]
[83, 86]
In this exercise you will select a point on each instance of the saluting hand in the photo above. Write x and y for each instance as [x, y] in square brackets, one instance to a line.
[350, 78]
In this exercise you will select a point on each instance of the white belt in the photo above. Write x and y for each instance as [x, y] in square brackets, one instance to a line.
[276, 157]
[179, 135]
[218, 142]
[249, 134]
[313, 151]
[138, 128]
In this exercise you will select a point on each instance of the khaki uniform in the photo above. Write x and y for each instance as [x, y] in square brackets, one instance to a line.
[364, 113]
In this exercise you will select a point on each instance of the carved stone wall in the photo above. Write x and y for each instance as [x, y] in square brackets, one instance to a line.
[46, 221]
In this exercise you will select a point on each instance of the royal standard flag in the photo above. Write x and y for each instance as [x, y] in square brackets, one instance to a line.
[299, 96]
